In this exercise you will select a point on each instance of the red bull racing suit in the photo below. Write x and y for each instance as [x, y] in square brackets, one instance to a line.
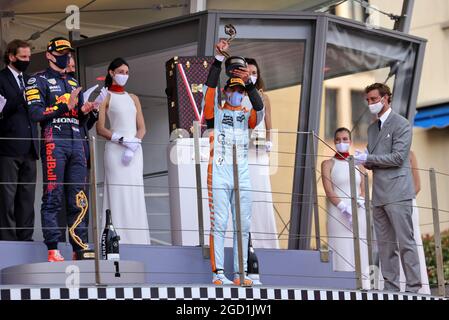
[64, 164]
[231, 124]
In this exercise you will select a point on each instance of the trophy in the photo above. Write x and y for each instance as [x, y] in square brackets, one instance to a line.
[232, 62]
[85, 253]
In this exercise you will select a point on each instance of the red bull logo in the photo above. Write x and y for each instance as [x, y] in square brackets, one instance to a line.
[50, 160]
[63, 99]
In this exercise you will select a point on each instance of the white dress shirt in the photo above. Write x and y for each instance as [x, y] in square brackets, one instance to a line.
[16, 76]
[384, 117]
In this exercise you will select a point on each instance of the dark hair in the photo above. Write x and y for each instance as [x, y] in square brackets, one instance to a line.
[116, 63]
[382, 88]
[343, 129]
[259, 83]
[12, 48]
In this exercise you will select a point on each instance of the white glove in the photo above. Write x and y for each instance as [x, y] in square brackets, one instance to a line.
[103, 94]
[345, 210]
[361, 202]
[268, 146]
[132, 143]
[360, 157]
[127, 156]
[2, 102]
[116, 137]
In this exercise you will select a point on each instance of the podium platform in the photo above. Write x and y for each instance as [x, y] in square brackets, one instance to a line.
[74, 273]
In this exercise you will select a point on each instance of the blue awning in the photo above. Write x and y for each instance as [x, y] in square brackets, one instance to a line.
[436, 116]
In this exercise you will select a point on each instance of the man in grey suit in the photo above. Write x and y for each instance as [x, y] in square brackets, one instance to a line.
[387, 155]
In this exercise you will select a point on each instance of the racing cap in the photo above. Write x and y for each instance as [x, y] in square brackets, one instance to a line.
[232, 82]
[59, 44]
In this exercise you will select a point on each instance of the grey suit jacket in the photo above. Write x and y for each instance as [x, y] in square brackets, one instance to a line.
[389, 159]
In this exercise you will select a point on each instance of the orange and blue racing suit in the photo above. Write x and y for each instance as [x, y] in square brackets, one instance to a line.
[230, 126]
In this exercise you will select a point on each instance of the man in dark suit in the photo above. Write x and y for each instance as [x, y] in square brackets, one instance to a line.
[18, 147]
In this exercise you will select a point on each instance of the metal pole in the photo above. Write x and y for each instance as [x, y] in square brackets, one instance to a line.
[404, 22]
[355, 223]
[199, 188]
[437, 234]
[237, 214]
[369, 229]
[93, 204]
[312, 154]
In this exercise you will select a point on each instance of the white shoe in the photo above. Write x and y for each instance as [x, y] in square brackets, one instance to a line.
[255, 278]
[247, 282]
[219, 278]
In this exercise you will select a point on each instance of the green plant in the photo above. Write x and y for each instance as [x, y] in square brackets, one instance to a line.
[429, 252]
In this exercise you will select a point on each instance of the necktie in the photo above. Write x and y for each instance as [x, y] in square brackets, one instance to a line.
[379, 124]
[22, 84]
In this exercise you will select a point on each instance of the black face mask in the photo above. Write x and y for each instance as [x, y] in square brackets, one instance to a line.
[61, 61]
[72, 74]
[20, 65]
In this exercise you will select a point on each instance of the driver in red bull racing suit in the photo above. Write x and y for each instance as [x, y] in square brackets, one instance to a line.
[53, 100]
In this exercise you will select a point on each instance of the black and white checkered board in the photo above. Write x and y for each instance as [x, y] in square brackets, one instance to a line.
[198, 293]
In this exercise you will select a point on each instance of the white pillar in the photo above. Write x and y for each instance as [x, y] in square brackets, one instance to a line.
[197, 5]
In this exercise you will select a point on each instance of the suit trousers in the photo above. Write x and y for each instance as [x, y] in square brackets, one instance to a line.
[395, 239]
[17, 190]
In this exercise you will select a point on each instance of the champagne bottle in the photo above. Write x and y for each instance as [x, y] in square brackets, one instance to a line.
[253, 262]
[110, 240]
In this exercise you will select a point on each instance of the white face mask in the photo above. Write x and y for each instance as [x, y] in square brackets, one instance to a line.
[343, 147]
[253, 79]
[375, 108]
[121, 79]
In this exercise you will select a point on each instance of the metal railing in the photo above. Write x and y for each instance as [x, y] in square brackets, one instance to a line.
[313, 195]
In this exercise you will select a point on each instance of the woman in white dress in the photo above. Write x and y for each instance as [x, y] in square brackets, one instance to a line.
[123, 159]
[263, 224]
[335, 177]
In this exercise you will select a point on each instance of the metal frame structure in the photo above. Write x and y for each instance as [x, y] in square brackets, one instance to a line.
[204, 29]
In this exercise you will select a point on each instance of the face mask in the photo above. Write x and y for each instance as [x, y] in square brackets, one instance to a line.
[72, 74]
[20, 65]
[121, 79]
[234, 98]
[376, 107]
[253, 79]
[61, 61]
[342, 147]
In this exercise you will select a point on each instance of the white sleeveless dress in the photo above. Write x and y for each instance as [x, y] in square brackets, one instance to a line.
[340, 240]
[123, 185]
[263, 223]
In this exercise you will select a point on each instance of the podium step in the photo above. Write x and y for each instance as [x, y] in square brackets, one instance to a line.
[74, 273]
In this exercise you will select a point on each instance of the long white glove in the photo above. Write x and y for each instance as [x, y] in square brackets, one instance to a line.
[116, 137]
[268, 146]
[345, 210]
[132, 143]
[360, 157]
[127, 156]
[2, 102]
[103, 94]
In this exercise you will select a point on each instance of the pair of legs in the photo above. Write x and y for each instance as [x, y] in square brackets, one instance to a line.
[17, 190]
[222, 203]
[65, 175]
[395, 239]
